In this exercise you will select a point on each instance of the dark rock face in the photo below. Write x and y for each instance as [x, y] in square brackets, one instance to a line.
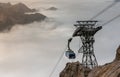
[117, 54]
[108, 70]
[15, 14]
[74, 69]
[52, 8]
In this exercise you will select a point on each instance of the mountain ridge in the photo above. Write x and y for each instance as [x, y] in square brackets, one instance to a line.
[15, 14]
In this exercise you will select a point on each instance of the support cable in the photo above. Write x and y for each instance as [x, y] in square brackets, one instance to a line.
[105, 9]
[98, 14]
[62, 55]
[111, 20]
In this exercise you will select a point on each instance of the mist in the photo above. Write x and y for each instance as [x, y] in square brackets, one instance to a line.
[32, 50]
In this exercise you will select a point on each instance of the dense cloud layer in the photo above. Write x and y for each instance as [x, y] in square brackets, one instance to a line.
[33, 50]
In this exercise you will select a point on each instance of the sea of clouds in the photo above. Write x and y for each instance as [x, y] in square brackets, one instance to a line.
[32, 50]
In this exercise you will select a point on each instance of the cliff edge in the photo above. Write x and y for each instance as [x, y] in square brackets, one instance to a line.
[108, 70]
[76, 69]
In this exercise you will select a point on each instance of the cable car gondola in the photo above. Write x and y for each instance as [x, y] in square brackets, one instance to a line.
[69, 53]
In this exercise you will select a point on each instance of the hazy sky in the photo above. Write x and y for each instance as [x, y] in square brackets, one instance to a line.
[33, 50]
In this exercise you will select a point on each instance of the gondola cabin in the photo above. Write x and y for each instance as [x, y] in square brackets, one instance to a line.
[70, 54]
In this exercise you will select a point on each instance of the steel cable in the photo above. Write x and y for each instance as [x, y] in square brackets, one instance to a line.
[105, 9]
[58, 62]
[111, 20]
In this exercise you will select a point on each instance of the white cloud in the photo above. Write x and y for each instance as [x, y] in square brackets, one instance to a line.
[32, 50]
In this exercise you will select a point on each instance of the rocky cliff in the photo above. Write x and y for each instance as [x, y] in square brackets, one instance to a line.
[74, 69]
[16, 14]
[108, 70]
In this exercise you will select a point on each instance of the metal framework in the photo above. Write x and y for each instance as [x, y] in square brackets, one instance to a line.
[86, 30]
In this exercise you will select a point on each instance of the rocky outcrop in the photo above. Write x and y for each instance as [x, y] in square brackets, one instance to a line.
[74, 69]
[117, 58]
[52, 8]
[108, 70]
[16, 14]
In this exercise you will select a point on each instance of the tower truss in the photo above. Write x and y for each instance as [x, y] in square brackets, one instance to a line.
[86, 30]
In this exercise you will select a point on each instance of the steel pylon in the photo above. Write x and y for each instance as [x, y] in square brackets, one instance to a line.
[86, 30]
